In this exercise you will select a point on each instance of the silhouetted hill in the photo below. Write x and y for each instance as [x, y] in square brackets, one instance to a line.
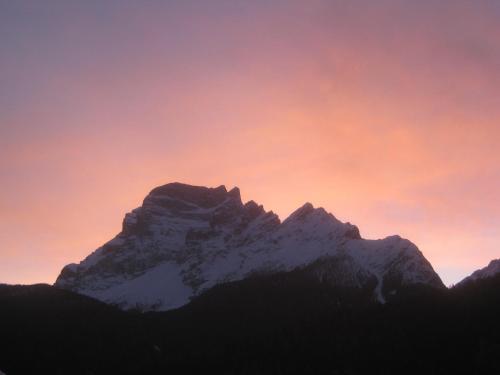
[51, 331]
[286, 323]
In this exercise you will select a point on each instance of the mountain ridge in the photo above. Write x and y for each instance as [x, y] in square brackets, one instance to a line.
[186, 239]
[491, 270]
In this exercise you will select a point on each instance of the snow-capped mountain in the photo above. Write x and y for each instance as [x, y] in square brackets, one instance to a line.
[490, 270]
[185, 239]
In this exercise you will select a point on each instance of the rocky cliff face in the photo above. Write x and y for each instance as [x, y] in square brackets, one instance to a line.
[185, 239]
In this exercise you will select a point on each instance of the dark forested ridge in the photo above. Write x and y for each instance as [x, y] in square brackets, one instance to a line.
[281, 324]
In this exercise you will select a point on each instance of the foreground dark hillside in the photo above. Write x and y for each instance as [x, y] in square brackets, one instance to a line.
[47, 330]
[281, 324]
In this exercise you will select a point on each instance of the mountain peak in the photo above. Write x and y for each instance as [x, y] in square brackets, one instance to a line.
[302, 212]
[200, 196]
[235, 193]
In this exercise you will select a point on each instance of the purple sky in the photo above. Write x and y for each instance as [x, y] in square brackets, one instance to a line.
[385, 113]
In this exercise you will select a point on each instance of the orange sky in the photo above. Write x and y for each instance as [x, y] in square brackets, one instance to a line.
[387, 115]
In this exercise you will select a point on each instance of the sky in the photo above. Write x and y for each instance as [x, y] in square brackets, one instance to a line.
[385, 113]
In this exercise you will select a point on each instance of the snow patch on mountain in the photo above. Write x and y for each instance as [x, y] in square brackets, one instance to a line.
[146, 290]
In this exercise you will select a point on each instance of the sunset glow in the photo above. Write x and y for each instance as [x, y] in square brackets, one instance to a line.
[385, 115]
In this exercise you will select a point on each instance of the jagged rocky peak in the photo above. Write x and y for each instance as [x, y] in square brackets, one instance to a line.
[308, 215]
[184, 201]
[185, 239]
[302, 213]
[235, 193]
[492, 269]
[200, 196]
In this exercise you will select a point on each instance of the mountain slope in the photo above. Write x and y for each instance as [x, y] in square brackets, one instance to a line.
[492, 269]
[186, 239]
